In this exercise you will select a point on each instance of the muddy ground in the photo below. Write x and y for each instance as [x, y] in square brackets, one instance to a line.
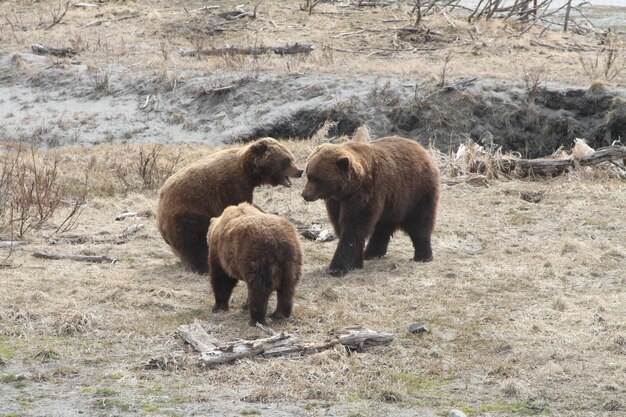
[61, 107]
[525, 297]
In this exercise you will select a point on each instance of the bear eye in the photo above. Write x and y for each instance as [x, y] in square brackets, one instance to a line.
[286, 163]
[314, 179]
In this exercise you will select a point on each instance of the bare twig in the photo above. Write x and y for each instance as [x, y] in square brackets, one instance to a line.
[58, 15]
[80, 258]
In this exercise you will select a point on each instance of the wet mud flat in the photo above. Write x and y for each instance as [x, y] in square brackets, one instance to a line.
[73, 105]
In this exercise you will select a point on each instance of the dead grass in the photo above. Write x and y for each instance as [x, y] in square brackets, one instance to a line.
[524, 301]
[347, 41]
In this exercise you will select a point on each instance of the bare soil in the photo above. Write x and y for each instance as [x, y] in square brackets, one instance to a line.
[525, 301]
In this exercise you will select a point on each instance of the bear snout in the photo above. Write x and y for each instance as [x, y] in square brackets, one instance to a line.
[299, 173]
[308, 197]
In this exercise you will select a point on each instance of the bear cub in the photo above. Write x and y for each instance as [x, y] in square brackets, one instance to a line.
[263, 250]
[371, 190]
[192, 196]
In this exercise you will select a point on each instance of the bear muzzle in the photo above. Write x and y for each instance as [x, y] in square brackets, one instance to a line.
[308, 197]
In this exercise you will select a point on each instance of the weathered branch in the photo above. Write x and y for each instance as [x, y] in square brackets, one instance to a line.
[80, 258]
[11, 243]
[212, 352]
[196, 336]
[542, 166]
[48, 50]
[279, 50]
[125, 215]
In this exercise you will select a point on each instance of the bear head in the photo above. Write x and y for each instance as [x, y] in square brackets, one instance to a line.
[266, 161]
[333, 172]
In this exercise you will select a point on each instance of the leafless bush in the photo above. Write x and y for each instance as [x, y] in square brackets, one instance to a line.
[149, 170]
[533, 77]
[309, 5]
[58, 13]
[608, 62]
[31, 192]
[100, 77]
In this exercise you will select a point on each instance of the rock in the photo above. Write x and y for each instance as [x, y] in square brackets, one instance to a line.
[418, 328]
[316, 233]
[456, 413]
[326, 235]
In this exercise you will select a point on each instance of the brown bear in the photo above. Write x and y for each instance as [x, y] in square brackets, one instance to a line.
[371, 190]
[192, 196]
[263, 250]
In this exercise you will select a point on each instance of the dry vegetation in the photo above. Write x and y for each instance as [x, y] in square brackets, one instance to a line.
[525, 298]
[525, 303]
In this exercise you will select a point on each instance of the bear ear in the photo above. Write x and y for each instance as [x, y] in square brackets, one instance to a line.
[343, 163]
[259, 148]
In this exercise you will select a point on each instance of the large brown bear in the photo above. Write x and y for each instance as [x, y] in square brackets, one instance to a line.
[192, 196]
[263, 250]
[371, 190]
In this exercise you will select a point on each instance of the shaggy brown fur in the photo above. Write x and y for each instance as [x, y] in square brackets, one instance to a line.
[371, 190]
[260, 249]
[191, 197]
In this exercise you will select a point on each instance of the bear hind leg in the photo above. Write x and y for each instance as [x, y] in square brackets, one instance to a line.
[190, 242]
[419, 226]
[259, 289]
[223, 286]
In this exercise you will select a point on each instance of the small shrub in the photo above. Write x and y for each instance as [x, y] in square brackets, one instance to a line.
[149, 170]
[31, 192]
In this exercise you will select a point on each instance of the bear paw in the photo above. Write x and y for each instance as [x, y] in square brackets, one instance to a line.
[218, 308]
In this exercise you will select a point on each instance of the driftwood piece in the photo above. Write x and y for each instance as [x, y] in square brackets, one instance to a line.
[476, 180]
[11, 243]
[131, 230]
[278, 344]
[125, 215]
[48, 50]
[80, 258]
[359, 338]
[542, 166]
[261, 50]
[196, 336]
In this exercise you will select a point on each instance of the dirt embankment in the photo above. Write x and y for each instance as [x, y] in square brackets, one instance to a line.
[76, 104]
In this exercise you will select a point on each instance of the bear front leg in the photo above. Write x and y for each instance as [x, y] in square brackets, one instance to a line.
[222, 285]
[378, 243]
[349, 254]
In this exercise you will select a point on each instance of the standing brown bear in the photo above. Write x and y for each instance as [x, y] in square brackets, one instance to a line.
[192, 196]
[371, 190]
[260, 249]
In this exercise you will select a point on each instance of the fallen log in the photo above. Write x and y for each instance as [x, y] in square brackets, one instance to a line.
[212, 352]
[543, 166]
[261, 50]
[196, 336]
[49, 50]
[11, 243]
[125, 215]
[79, 258]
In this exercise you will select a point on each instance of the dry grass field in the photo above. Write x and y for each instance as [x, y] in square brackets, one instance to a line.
[525, 301]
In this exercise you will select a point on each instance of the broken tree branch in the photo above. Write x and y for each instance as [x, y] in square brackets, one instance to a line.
[196, 336]
[212, 352]
[48, 50]
[80, 258]
[279, 50]
[11, 243]
[542, 166]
